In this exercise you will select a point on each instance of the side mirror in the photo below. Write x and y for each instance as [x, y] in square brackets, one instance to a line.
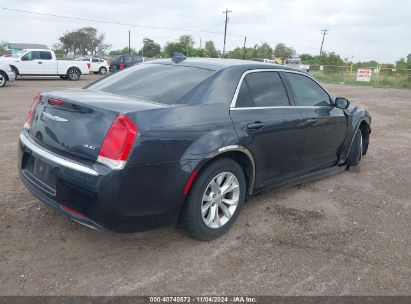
[342, 103]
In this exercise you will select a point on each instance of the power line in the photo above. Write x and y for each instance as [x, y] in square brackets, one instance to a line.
[225, 28]
[109, 22]
[324, 32]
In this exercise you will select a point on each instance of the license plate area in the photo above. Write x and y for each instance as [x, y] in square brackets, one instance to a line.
[40, 173]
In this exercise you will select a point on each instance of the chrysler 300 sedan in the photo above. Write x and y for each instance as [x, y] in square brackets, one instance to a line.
[184, 142]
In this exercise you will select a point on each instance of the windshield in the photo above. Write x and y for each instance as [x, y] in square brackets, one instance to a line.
[161, 83]
[18, 53]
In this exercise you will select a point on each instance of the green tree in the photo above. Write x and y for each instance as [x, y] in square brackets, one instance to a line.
[123, 51]
[185, 45]
[150, 48]
[211, 49]
[306, 57]
[237, 53]
[264, 51]
[2, 48]
[283, 52]
[84, 41]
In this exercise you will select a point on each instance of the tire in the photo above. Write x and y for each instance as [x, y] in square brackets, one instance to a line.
[63, 76]
[102, 71]
[3, 79]
[208, 225]
[73, 74]
[354, 157]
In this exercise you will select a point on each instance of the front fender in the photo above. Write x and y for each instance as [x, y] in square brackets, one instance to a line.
[356, 116]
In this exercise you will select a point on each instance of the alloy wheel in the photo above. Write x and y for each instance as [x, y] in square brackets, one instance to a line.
[2, 80]
[220, 200]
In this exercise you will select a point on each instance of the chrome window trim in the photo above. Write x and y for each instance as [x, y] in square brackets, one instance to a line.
[237, 90]
[55, 158]
[239, 149]
[279, 107]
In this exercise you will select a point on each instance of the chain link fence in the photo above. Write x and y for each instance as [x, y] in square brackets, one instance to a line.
[380, 76]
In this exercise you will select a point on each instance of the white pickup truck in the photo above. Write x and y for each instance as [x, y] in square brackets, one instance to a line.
[37, 62]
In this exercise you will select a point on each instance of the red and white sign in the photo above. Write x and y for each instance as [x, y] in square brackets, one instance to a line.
[364, 74]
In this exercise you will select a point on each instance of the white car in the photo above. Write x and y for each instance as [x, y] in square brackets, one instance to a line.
[96, 65]
[6, 74]
[38, 62]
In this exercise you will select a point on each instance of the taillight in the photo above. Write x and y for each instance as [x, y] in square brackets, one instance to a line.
[56, 102]
[118, 143]
[29, 118]
[122, 66]
[88, 65]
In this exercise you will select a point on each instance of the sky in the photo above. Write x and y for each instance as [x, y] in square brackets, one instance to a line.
[361, 30]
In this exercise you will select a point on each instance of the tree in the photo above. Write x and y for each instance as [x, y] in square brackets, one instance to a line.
[2, 48]
[409, 58]
[84, 41]
[150, 48]
[263, 51]
[306, 57]
[283, 52]
[211, 50]
[123, 51]
[185, 45]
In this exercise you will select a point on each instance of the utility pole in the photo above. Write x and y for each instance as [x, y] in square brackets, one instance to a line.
[201, 43]
[245, 40]
[129, 49]
[324, 32]
[225, 29]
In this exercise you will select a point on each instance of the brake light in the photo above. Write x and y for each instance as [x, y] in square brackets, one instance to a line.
[118, 143]
[29, 118]
[56, 102]
[122, 66]
[88, 65]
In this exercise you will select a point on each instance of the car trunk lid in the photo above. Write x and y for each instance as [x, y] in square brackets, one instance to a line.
[75, 122]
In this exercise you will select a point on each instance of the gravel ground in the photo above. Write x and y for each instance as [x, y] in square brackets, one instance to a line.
[348, 234]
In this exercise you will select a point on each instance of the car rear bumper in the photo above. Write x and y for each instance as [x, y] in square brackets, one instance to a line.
[127, 200]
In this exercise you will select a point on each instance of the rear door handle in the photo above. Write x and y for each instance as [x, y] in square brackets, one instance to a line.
[255, 125]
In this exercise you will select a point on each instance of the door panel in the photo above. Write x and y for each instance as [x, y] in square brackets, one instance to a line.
[324, 125]
[32, 64]
[268, 127]
[49, 65]
[324, 133]
[275, 138]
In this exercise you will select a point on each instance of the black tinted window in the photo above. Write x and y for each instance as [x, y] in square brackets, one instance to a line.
[45, 55]
[307, 92]
[128, 59]
[244, 97]
[156, 82]
[266, 89]
[95, 60]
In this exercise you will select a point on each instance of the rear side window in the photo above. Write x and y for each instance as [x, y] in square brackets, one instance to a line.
[95, 60]
[128, 59]
[161, 83]
[262, 89]
[45, 55]
[307, 92]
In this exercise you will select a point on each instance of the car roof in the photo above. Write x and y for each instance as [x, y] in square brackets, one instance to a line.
[219, 63]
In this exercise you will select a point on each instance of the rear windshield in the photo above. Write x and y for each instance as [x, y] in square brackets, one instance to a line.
[155, 82]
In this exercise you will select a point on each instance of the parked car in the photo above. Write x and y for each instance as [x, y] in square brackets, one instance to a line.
[124, 61]
[33, 62]
[96, 65]
[184, 142]
[6, 74]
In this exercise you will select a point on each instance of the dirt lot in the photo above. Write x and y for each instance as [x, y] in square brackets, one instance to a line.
[345, 234]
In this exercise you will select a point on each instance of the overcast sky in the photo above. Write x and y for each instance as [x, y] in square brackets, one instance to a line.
[364, 29]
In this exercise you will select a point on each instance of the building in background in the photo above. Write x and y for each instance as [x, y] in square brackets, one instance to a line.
[13, 48]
